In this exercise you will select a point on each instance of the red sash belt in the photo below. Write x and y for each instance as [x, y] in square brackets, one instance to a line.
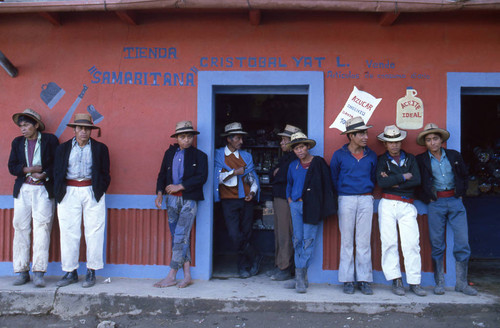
[76, 183]
[396, 197]
[366, 194]
[178, 194]
[446, 193]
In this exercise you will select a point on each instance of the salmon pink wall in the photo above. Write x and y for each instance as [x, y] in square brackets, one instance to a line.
[138, 119]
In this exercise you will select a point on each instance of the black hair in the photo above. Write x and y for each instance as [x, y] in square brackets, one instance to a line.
[354, 133]
[27, 119]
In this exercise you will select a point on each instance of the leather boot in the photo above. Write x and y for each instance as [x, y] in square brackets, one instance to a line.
[23, 278]
[439, 276]
[89, 279]
[38, 279]
[397, 287]
[462, 285]
[68, 278]
[300, 275]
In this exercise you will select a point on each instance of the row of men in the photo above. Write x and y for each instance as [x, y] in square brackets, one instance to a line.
[304, 193]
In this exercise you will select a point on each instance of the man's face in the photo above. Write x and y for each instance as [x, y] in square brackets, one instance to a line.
[359, 138]
[433, 142]
[82, 134]
[301, 150]
[393, 148]
[235, 142]
[29, 130]
[283, 142]
[185, 140]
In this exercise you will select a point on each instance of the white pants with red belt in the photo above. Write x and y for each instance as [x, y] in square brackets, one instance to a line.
[32, 203]
[393, 214]
[78, 201]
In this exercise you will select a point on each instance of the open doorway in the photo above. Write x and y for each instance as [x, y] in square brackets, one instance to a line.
[262, 116]
[480, 145]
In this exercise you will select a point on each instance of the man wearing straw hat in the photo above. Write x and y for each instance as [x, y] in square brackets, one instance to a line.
[353, 172]
[31, 160]
[283, 257]
[183, 173]
[444, 182]
[310, 195]
[236, 185]
[81, 179]
[398, 176]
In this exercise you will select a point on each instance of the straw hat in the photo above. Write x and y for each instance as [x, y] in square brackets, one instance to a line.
[392, 134]
[32, 114]
[84, 119]
[298, 138]
[432, 128]
[289, 130]
[355, 124]
[233, 128]
[184, 127]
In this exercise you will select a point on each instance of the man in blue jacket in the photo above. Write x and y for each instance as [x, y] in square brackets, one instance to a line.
[31, 160]
[353, 172]
[444, 182]
[183, 173]
[236, 186]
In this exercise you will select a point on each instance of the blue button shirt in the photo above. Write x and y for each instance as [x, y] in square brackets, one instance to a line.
[295, 180]
[178, 167]
[442, 173]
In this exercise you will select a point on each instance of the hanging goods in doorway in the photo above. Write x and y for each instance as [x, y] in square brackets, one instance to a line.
[410, 111]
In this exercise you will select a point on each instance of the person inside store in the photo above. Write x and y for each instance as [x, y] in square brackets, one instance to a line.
[31, 161]
[353, 172]
[236, 187]
[398, 176]
[444, 183]
[81, 179]
[183, 172]
[283, 245]
[310, 194]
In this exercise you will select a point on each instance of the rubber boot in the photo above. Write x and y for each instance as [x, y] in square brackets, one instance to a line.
[300, 275]
[462, 285]
[22, 278]
[439, 276]
[38, 279]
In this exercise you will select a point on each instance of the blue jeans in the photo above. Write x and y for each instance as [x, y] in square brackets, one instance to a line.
[304, 236]
[451, 210]
[181, 215]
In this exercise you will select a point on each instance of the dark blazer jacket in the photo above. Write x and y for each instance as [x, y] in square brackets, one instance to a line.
[318, 194]
[395, 175]
[100, 169]
[195, 172]
[426, 192]
[17, 161]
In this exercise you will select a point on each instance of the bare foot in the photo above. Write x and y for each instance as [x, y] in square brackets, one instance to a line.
[185, 282]
[166, 282]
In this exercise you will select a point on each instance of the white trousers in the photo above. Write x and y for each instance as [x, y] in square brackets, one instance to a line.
[393, 214]
[32, 203]
[355, 222]
[78, 201]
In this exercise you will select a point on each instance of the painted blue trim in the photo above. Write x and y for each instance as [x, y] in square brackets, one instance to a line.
[456, 84]
[211, 83]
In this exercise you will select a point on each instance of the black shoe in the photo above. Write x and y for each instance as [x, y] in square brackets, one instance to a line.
[38, 279]
[68, 279]
[254, 270]
[282, 275]
[272, 272]
[365, 288]
[89, 279]
[397, 287]
[418, 290]
[23, 278]
[348, 287]
[243, 273]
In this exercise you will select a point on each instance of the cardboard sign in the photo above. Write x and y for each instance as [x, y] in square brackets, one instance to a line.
[410, 111]
[360, 103]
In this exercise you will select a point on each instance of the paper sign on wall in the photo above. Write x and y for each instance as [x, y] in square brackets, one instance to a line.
[410, 111]
[360, 103]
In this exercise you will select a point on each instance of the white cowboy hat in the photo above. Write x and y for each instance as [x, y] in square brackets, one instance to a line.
[299, 137]
[355, 124]
[392, 134]
[233, 128]
[31, 114]
[289, 130]
[184, 127]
